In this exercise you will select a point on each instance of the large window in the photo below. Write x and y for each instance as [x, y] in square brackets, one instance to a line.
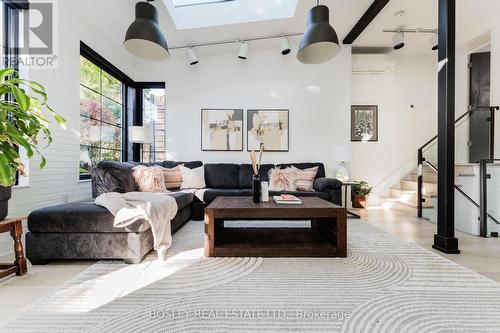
[153, 113]
[101, 117]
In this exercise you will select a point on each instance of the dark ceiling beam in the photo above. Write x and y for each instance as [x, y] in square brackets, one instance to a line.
[370, 14]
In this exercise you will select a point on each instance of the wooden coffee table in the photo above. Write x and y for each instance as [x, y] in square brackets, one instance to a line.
[326, 237]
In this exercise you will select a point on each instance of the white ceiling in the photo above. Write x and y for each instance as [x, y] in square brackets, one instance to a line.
[343, 15]
[472, 21]
[418, 14]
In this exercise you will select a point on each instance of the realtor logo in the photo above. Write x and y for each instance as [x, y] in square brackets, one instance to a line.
[38, 28]
[37, 40]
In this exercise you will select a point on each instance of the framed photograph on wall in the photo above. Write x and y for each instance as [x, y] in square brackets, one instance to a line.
[222, 129]
[364, 123]
[268, 127]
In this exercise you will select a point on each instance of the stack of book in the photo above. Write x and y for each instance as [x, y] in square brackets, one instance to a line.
[287, 199]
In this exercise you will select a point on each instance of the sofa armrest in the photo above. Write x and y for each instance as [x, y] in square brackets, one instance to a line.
[325, 184]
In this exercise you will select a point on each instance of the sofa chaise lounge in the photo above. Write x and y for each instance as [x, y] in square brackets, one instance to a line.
[83, 230]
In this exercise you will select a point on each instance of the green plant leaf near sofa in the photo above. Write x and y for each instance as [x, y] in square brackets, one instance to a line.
[23, 110]
[361, 189]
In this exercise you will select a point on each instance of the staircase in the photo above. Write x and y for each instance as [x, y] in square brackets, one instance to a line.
[406, 192]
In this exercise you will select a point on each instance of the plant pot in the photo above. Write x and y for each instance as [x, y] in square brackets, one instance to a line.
[5, 194]
[358, 201]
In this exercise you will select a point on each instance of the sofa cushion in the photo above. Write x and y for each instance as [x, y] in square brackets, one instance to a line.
[149, 179]
[210, 194]
[110, 176]
[303, 166]
[246, 174]
[190, 165]
[183, 199]
[222, 176]
[87, 217]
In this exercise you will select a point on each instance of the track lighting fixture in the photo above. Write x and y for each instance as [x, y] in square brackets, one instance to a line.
[435, 42]
[285, 45]
[193, 59]
[243, 53]
[320, 42]
[144, 37]
[398, 41]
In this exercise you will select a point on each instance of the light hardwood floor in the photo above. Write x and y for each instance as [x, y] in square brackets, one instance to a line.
[478, 254]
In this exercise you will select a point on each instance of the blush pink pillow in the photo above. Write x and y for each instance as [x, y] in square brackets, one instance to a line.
[304, 179]
[281, 180]
[149, 179]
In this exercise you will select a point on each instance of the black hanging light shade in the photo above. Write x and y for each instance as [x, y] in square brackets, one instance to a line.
[320, 42]
[144, 38]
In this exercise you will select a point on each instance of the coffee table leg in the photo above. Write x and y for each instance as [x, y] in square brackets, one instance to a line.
[342, 234]
[209, 233]
[16, 234]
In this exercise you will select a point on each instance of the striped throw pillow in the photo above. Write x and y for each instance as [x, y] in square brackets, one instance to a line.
[304, 179]
[173, 178]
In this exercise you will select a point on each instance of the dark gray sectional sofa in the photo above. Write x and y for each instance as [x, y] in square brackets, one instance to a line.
[82, 230]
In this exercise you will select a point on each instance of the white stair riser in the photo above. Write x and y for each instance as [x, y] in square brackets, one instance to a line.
[413, 185]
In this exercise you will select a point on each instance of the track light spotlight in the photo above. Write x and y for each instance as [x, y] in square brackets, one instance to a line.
[285, 45]
[243, 53]
[193, 59]
[398, 41]
[435, 42]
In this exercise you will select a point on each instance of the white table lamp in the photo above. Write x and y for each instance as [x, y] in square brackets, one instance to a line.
[139, 134]
[342, 154]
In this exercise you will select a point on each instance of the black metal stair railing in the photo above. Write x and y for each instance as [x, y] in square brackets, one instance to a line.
[483, 196]
[421, 159]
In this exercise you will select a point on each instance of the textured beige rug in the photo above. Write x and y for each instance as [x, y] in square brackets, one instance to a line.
[385, 285]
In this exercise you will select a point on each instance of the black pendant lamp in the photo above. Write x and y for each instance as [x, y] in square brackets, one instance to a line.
[144, 38]
[320, 42]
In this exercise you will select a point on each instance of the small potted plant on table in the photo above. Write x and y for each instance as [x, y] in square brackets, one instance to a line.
[359, 193]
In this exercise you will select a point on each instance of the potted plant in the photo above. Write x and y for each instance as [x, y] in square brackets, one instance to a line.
[22, 120]
[359, 193]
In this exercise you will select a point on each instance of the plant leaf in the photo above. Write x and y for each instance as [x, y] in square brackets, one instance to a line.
[21, 98]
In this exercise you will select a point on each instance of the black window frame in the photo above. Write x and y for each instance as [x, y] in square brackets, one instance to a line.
[95, 58]
[11, 11]
[141, 86]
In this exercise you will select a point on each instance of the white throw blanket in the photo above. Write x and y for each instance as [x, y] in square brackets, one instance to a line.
[158, 209]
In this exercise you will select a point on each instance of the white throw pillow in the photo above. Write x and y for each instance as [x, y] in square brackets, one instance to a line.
[192, 178]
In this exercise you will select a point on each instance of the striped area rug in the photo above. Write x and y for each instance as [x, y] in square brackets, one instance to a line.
[385, 285]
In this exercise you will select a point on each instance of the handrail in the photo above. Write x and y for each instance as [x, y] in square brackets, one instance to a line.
[483, 193]
[433, 167]
[420, 152]
[469, 112]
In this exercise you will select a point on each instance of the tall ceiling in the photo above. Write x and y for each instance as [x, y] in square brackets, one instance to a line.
[472, 20]
[343, 15]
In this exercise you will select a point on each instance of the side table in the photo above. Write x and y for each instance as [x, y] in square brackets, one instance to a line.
[15, 227]
[346, 185]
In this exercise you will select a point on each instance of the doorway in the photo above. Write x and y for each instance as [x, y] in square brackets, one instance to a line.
[479, 96]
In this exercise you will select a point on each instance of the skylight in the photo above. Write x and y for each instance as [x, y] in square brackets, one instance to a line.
[186, 3]
[190, 14]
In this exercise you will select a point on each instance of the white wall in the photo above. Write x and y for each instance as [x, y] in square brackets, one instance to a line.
[402, 130]
[58, 181]
[318, 98]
